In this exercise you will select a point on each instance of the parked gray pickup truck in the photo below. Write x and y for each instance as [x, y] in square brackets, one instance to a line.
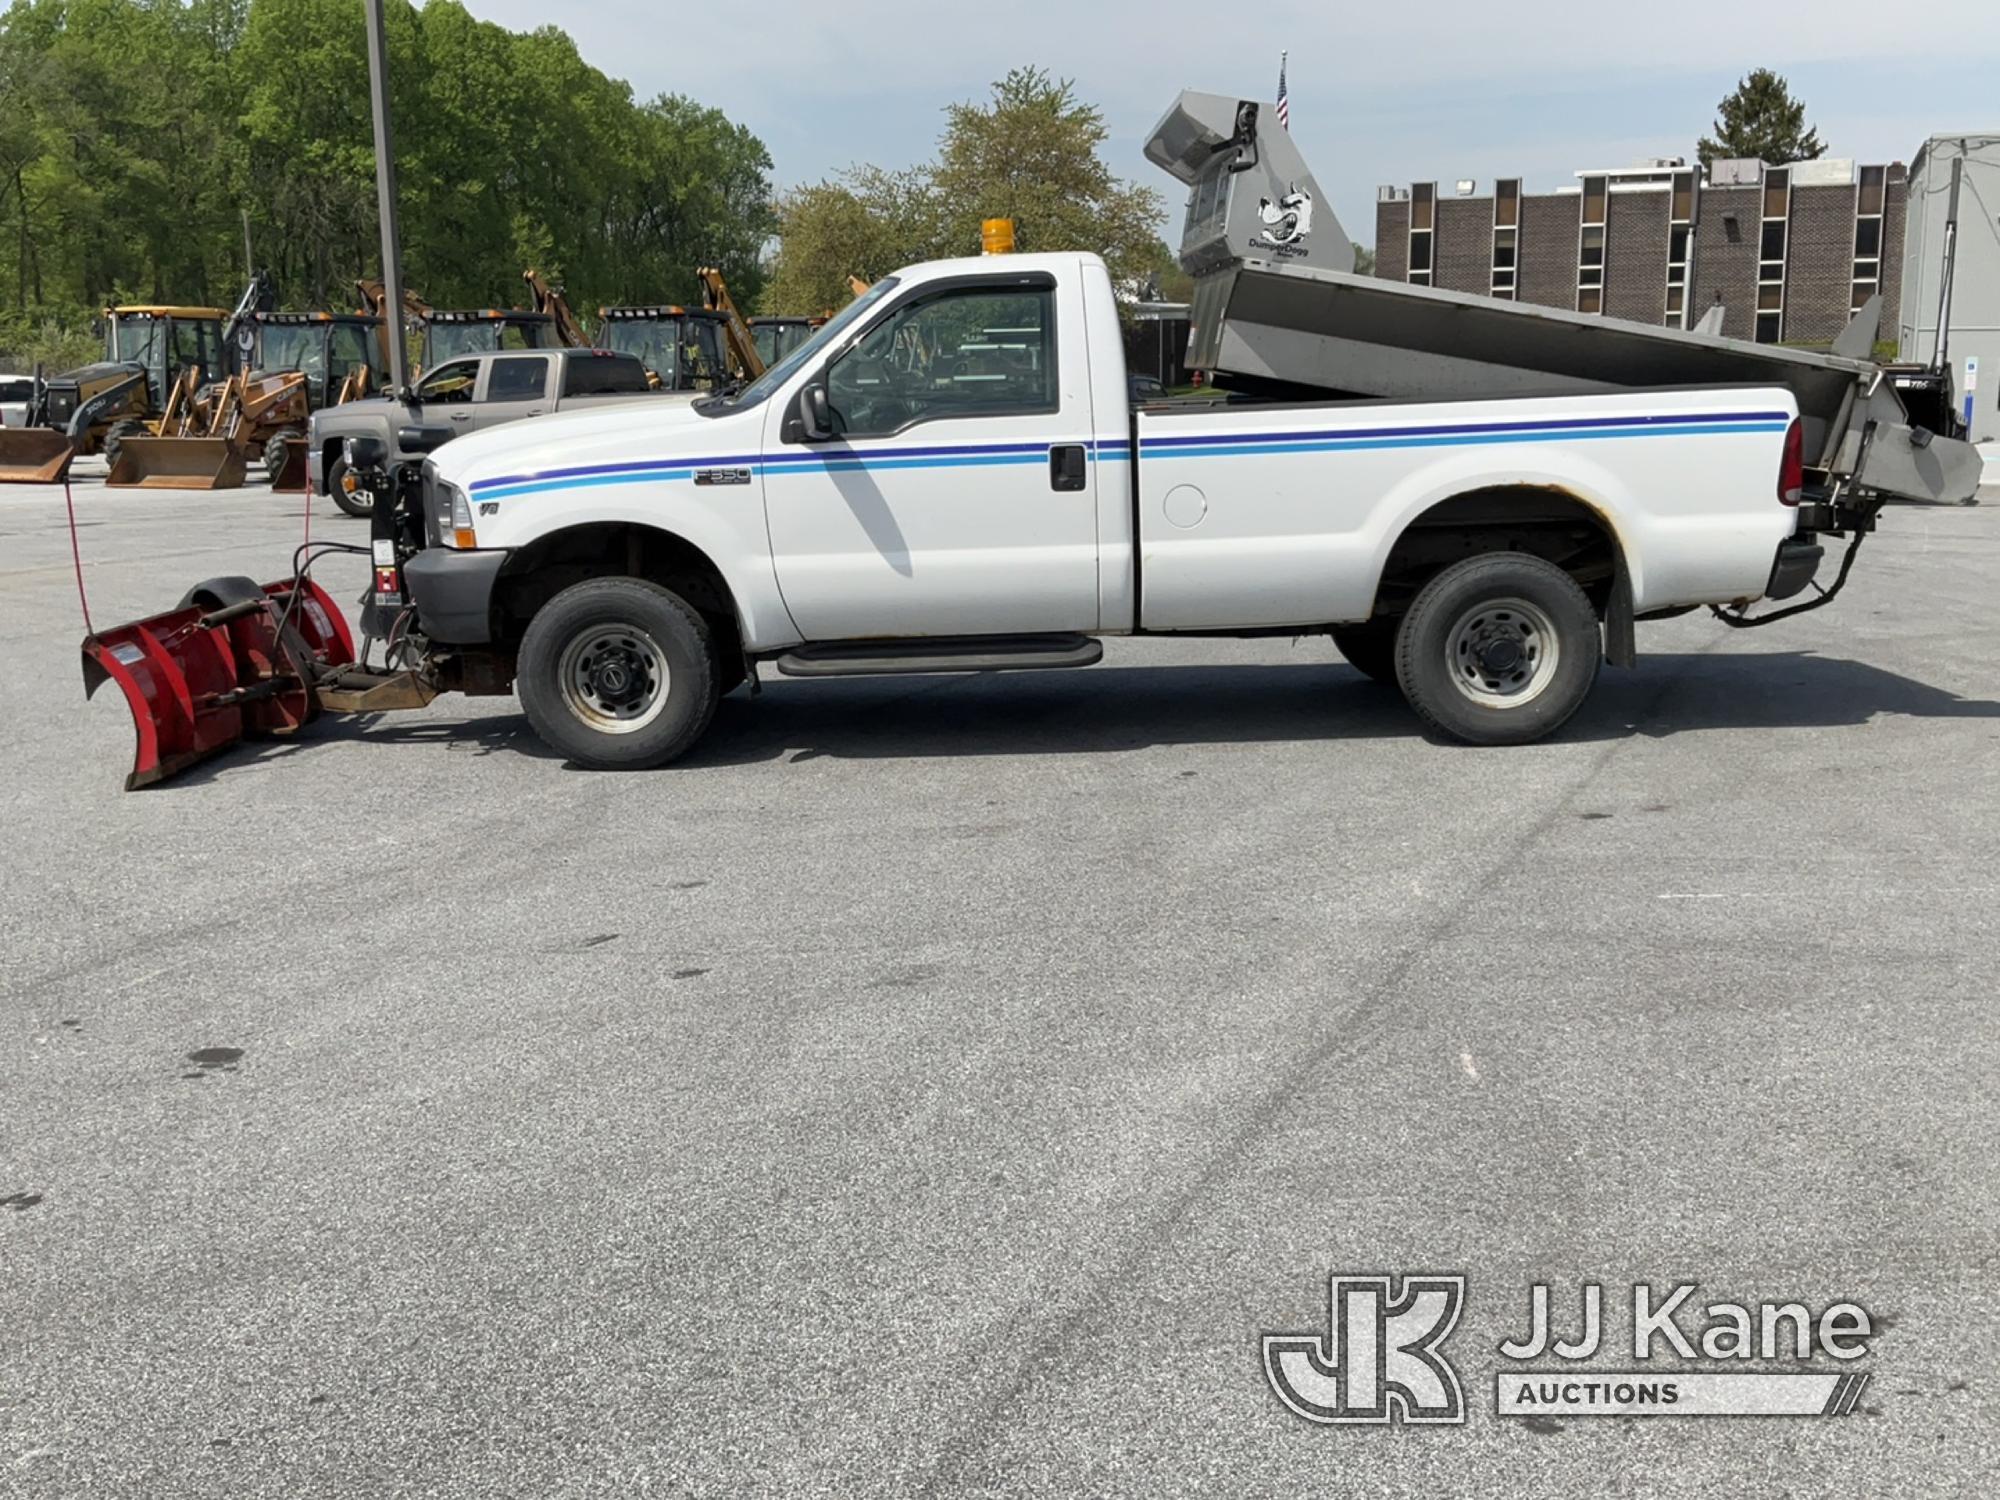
[468, 393]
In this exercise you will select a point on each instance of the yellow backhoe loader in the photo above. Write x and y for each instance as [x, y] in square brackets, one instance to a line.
[94, 409]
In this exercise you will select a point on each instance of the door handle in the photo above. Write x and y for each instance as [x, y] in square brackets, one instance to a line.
[1066, 466]
[461, 416]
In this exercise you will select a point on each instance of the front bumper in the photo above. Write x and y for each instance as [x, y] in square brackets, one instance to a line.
[453, 593]
[315, 480]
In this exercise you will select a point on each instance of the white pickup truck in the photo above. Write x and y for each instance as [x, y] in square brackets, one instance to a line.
[950, 476]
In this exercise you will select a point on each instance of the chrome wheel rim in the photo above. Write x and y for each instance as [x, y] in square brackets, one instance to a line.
[1502, 653]
[615, 678]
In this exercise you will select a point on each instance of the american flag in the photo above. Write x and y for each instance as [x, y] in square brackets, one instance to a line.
[1284, 96]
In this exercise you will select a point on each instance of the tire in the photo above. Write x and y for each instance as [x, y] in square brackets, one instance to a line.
[585, 663]
[1499, 649]
[274, 451]
[360, 504]
[1370, 649]
[115, 435]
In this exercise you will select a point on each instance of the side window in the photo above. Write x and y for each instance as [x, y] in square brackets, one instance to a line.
[702, 358]
[603, 375]
[521, 379]
[449, 384]
[971, 352]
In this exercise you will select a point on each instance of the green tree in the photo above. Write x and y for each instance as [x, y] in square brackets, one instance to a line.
[136, 136]
[1030, 153]
[1761, 119]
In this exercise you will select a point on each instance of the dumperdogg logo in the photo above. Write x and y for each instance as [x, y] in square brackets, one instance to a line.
[1379, 1359]
[1288, 220]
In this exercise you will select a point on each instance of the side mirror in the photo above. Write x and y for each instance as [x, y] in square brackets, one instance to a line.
[365, 453]
[815, 415]
[423, 439]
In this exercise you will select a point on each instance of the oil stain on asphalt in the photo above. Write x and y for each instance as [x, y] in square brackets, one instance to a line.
[209, 1060]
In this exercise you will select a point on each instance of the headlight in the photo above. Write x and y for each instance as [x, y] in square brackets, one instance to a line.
[454, 516]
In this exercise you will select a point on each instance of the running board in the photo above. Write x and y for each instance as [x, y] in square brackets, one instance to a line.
[963, 653]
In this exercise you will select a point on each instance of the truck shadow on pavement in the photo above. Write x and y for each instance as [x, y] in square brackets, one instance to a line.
[1109, 709]
[1105, 710]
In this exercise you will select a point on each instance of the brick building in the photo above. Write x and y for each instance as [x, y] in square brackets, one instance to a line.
[1788, 251]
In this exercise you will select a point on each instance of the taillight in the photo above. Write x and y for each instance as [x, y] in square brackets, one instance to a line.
[1792, 468]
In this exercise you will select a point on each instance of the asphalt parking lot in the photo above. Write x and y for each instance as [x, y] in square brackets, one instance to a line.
[936, 1086]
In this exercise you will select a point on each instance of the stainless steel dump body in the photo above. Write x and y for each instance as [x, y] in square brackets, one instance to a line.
[1276, 300]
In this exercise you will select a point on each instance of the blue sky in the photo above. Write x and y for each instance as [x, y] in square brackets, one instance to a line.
[1379, 94]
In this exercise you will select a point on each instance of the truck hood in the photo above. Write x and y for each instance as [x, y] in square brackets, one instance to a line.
[627, 429]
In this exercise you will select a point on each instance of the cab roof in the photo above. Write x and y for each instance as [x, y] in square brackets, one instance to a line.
[161, 310]
[487, 315]
[659, 310]
[316, 317]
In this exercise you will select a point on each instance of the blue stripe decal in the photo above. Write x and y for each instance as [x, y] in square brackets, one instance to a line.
[1226, 449]
[1211, 445]
[1547, 425]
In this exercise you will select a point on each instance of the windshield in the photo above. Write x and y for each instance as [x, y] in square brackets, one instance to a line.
[292, 346]
[761, 388]
[775, 340]
[136, 339]
[449, 340]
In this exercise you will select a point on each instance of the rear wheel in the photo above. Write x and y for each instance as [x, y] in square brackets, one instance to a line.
[1499, 649]
[618, 674]
[361, 503]
[115, 435]
[1370, 649]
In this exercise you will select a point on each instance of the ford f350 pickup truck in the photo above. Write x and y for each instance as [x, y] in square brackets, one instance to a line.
[951, 477]
[1477, 500]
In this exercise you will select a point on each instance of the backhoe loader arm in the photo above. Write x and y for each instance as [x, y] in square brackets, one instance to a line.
[550, 300]
[374, 294]
[259, 296]
[742, 347]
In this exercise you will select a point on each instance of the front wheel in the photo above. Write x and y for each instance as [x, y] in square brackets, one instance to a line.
[361, 503]
[115, 435]
[1499, 649]
[618, 674]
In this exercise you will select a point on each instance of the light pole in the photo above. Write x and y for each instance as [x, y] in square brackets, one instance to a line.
[385, 195]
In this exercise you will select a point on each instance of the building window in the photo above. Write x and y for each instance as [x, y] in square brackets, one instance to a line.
[1590, 247]
[1423, 211]
[1506, 238]
[1680, 248]
[1771, 248]
[1868, 235]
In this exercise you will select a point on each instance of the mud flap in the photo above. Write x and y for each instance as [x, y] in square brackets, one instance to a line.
[34, 455]
[291, 476]
[1621, 635]
[235, 660]
[176, 463]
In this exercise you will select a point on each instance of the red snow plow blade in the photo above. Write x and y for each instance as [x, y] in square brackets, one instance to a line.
[234, 660]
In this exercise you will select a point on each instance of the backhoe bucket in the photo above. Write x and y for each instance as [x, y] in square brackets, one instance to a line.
[34, 455]
[176, 463]
[291, 475]
[234, 660]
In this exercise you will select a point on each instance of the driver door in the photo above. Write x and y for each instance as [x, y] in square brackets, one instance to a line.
[448, 389]
[956, 497]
